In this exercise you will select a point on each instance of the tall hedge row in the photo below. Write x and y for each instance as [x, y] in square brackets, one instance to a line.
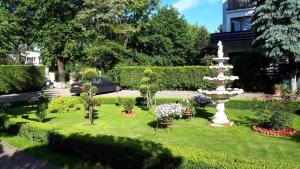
[172, 78]
[21, 78]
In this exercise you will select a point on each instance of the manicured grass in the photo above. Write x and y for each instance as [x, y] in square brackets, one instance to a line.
[195, 141]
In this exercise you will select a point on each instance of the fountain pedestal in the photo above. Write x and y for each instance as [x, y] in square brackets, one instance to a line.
[221, 94]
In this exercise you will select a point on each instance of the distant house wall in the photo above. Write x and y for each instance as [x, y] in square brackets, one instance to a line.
[32, 58]
[228, 14]
[235, 14]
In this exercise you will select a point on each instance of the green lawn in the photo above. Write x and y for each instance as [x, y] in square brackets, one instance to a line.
[195, 141]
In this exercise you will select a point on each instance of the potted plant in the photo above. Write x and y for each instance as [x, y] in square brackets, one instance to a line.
[128, 105]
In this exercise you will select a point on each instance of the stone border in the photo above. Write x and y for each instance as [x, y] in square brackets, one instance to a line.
[286, 132]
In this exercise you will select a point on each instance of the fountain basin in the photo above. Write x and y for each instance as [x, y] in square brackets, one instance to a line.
[221, 59]
[221, 95]
[221, 80]
[220, 68]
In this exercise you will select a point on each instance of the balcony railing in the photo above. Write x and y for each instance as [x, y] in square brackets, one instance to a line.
[240, 4]
[232, 37]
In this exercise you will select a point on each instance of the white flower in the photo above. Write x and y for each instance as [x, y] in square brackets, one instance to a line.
[168, 110]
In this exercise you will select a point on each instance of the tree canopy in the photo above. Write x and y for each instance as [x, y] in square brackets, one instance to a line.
[101, 33]
[277, 28]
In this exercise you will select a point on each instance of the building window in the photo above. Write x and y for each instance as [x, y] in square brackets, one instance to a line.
[240, 24]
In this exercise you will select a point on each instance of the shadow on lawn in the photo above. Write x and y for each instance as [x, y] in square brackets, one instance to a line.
[115, 152]
[45, 120]
[21, 110]
[203, 113]
[245, 121]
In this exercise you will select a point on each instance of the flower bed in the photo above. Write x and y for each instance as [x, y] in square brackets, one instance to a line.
[290, 132]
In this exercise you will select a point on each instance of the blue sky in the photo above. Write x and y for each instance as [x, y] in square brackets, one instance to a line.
[203, 12]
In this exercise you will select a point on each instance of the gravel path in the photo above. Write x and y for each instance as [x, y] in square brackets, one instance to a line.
[123, 93]
[11, 158]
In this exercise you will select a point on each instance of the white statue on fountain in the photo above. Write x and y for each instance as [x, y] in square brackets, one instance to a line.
[221, 94]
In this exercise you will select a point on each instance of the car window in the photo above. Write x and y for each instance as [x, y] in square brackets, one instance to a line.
[105, 80]
[98, 80]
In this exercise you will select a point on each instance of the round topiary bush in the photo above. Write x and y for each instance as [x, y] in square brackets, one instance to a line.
[66, 104]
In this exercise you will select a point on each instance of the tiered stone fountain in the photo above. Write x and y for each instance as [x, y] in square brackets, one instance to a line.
[221, 94]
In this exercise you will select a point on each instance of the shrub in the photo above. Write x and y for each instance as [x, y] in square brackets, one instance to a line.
[174, 78]
[42, 106]
[21, 78]
[115, 152]
[275, 116]
[66, 104]
[35, 133]
[149, 86]
[4, 121]
[128, 104]
[41, 112]
[200, 101]
[89, 75]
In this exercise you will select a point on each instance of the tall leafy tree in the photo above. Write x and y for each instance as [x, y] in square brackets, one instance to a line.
[14, 31]
[277, 27]
[199, 49]
[110, 26]
[8, 34]
[166, 39]
[56, 32]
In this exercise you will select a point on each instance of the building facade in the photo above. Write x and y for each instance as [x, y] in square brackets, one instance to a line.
[237, 35]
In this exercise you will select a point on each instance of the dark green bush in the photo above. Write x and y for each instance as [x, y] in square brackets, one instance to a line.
[275, 115]
[35, 133]
[66, 104]
[4, 121]
[175, 78]
[128, 104]
[42, 106]
[21, 78]
[115, 152]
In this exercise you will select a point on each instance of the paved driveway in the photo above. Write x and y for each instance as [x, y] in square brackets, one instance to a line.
[11, 158]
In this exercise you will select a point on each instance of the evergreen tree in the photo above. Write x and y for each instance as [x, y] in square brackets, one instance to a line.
[277, 27]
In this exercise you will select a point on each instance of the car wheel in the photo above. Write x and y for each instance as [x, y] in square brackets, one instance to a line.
[118, 88]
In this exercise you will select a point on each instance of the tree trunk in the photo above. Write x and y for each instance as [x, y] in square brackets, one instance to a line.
[293, 79]
[91, 107]
[61, 71]
[293, 74]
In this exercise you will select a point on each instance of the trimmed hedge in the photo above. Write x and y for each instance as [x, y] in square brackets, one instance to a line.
[138, 101]
[172, 78]
[21, 78]
[115, 152]
[249, 104]
[35, 133]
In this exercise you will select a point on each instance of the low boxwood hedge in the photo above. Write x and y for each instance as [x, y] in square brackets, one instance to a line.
[35, 133]
[139, 100]
[21, 78]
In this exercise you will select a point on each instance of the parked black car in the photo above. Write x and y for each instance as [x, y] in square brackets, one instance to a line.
[103, 85]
